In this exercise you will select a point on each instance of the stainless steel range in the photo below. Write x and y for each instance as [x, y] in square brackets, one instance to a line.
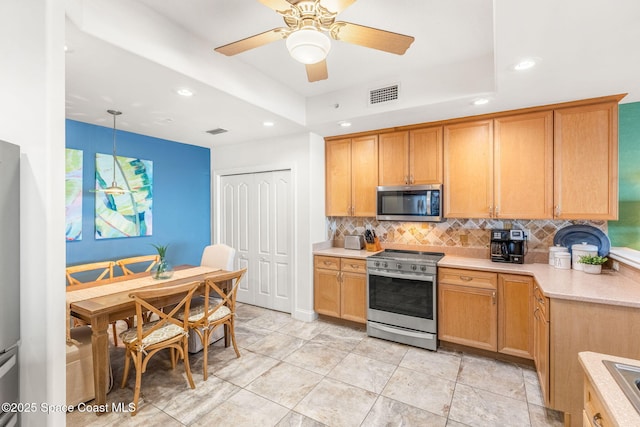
[401, 297]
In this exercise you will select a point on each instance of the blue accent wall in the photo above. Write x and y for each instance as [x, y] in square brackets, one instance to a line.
[181, 196]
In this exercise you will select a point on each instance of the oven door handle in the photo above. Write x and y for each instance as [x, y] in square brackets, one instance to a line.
[429, 278]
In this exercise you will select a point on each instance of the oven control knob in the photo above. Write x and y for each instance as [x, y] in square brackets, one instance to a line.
[385, 265]
[377, 263]
[423, 268]
[414, 267]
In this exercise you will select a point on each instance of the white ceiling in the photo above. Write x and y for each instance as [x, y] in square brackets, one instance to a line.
[132, 55]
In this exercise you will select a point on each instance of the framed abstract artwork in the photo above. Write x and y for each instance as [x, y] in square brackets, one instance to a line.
[128, 214]
[73, 194]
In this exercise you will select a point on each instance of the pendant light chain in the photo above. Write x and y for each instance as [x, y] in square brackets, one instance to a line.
[114, 189]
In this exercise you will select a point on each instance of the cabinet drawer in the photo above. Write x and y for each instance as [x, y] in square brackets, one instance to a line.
[327, 262]
[541, 302]
[477, 279]
[354, 265]
[594, 410]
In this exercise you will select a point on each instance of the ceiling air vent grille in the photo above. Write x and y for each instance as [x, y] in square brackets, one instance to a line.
[383, 94]
[217, 131]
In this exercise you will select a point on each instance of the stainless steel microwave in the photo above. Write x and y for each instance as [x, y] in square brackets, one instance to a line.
[409, 203]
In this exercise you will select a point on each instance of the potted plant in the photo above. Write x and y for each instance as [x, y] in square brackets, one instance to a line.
[162, 270]
[592, 263]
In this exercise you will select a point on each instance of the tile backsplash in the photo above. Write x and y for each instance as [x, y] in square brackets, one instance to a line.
[453, 236]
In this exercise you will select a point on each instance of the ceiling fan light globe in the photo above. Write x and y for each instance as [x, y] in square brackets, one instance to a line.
[308, 46]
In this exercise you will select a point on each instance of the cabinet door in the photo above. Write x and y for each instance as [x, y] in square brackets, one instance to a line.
[523, 166]
[338, 177]
[468, 170]
[515, 315]
[586, 162]
[541, 352]
[425, 156]
[393, 161]
[353, 302]
[467, 316]
[364, 175]
[326, 292]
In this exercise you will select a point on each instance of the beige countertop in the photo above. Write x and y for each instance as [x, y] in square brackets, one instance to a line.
[611, 395]
[610, 287]
[343, 253]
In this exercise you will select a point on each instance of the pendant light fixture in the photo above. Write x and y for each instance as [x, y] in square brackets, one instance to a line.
[113, 189]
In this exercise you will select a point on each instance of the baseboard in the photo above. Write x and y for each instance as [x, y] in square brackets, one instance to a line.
[304, 315]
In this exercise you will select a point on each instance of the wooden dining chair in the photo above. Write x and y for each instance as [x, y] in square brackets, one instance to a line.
[168, 332]
[139, 261]
[103, 269]
[216, 308]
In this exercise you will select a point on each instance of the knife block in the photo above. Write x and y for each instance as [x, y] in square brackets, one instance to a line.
[375, 246]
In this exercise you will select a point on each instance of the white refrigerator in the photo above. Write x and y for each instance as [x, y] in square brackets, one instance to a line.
[9, 281]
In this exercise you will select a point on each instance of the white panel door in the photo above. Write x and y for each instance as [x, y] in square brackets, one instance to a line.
[257, 220]
[234, 210]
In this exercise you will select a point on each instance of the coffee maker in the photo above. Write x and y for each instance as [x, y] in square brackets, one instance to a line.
[508, 246]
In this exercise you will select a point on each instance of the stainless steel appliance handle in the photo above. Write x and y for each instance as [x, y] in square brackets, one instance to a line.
[429, 278]
[421, 335]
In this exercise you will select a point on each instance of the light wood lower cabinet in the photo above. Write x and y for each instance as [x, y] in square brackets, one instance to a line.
[541, 341]
[486, 310]
[340, 287]
[582, 326]
[467, 308]
[515, 315]
[594, 413]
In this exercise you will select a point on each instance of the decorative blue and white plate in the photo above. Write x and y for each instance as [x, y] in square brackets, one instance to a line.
[576, 234]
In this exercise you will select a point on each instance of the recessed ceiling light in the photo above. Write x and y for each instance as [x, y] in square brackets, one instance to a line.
[344, 124]
[525, 64]
[481, 101]
[184, 92]
[268, 124]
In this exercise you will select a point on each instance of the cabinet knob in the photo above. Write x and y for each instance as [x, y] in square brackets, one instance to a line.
[557, 209]
[466, 278]
[493, 297]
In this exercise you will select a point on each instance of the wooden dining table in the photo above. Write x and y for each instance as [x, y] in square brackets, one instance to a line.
[100, 311]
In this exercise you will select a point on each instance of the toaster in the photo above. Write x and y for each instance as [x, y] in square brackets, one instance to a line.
[354, 242]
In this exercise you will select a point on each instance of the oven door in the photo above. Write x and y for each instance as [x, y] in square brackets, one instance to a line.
[401, 299]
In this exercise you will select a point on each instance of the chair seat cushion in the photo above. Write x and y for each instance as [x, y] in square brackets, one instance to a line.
[164, 333]
[197, 313]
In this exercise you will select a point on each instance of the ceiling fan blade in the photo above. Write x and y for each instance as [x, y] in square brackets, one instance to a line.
[371, 37]
[336, 6]
[252, 42]
[317, 71]
[278, 5]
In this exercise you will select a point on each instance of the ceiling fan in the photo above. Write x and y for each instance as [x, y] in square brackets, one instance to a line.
[307, 22]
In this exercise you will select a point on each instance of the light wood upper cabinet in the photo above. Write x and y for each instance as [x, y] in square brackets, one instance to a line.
[586, 162]
[393, 160]
[411, 157]
[351, 168]
[523, 166]
[468, 170]
[338, 177]
[364, 175]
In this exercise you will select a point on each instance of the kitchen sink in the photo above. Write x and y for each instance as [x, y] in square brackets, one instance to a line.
[628, 378]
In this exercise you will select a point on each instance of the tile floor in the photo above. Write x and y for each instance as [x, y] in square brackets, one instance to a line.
[294, 373]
